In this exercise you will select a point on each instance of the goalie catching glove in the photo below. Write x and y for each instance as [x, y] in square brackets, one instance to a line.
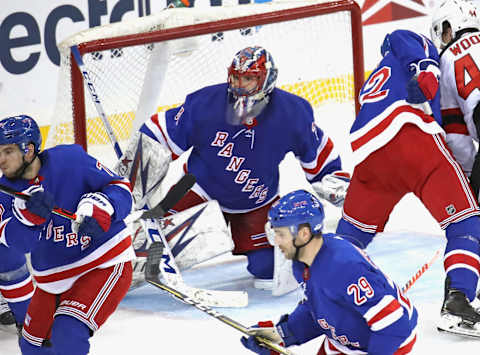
[37, 209]
[279, 334]
[94, 213]
[333, 187]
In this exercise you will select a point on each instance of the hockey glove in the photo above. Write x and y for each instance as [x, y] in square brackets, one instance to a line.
[282, 335]
[422, 87]
[333, 187]
[94, 213]
[36, 210]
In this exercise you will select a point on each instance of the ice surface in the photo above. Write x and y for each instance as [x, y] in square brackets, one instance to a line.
[151, 322]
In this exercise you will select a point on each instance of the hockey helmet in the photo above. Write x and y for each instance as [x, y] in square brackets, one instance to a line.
[251, 62]
[460, 14]
[21, 130]
[296, 208]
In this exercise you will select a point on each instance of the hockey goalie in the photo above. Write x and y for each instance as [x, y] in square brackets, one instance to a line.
[235, 154]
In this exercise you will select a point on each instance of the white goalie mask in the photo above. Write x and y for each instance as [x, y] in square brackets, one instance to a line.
[460, 14]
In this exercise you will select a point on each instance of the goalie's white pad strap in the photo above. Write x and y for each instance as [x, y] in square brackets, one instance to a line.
[283, 279]
[145, 163]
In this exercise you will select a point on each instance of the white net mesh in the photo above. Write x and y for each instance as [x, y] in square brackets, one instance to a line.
[313, 55]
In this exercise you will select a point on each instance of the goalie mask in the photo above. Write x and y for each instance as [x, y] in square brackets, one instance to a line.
[459, 14]
[251, 78]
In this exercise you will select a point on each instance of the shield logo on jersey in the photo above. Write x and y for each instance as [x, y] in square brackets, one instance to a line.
[450, 209]
[378, 11]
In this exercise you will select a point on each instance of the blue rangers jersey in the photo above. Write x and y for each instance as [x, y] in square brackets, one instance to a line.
[347, 298]
[58, 255]
[237, 165]
[384, 109]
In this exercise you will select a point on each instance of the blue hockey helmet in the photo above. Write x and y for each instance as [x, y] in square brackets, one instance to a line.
[21, 130]
[254, 62]
[296, 208]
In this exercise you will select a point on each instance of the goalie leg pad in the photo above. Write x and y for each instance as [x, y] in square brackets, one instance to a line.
[197, 234]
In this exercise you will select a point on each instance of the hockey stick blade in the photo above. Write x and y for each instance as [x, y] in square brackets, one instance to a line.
[211, 298]
[221, 317]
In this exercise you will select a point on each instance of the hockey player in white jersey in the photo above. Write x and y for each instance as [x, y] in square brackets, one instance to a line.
[347, 297]
[455, 31]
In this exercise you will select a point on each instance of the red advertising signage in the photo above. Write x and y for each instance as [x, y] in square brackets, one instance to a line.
[378, 11]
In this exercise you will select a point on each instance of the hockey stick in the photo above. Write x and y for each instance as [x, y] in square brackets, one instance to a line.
[56, 210]
[421, 271]
[221, 317]
[171, 273]
[96, 100]
[177, 191]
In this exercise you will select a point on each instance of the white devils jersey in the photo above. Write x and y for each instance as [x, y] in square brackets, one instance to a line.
[460, 94]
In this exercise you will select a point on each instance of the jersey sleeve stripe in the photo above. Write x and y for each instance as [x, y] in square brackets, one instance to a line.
[407, 346]
[158, 128]
[456, 128]
[384, 313]
[383, 124]
[455, 112]
[124, 184]
[325, 153]
[18, 292]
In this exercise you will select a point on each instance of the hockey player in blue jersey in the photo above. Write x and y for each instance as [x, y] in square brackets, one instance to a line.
[239, 133]
[399, 148]
[347, 297]
[82, 268]
[16, 284]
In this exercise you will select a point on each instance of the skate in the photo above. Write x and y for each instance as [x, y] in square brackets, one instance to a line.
[7, 320]
[458, 316]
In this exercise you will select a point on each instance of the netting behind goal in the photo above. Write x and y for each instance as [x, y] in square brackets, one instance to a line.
[150, 64]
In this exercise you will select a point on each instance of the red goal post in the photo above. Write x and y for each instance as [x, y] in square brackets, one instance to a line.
[150, 64]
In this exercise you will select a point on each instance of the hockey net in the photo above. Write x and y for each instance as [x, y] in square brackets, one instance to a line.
[150, 64]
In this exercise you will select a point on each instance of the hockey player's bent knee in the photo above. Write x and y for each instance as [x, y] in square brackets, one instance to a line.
[468, 227]
[351, 233]
[260, 263]
[70, 336]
